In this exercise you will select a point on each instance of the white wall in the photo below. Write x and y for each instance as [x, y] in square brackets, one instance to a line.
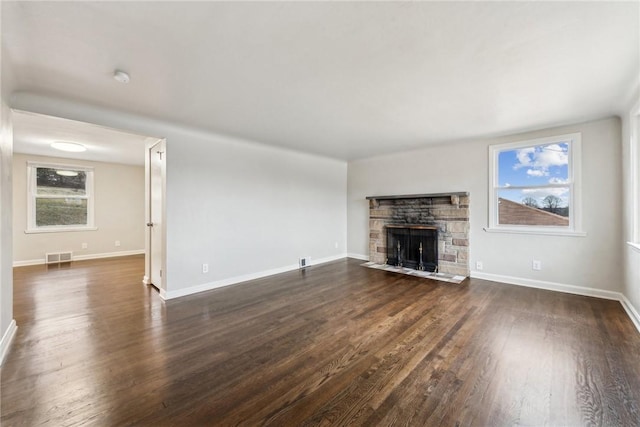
[594, 261]
[631, 288]
[119, 214]
[7, 325]
[244, 208]
[249, 208]
[6, 257]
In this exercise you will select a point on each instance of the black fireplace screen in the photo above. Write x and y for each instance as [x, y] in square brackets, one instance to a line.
[413, 246]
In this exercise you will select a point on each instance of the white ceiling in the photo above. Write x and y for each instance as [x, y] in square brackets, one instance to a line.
[34, 133]
[341, 79]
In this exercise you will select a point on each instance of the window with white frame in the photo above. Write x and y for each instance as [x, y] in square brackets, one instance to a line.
[60, 197]
[535, 186]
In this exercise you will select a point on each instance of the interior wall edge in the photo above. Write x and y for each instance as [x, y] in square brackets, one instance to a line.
[7, 340]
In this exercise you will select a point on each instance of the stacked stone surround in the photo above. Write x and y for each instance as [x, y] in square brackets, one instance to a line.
[449, 212]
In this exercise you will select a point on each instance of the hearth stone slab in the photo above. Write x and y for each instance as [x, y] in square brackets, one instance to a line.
[411, 272]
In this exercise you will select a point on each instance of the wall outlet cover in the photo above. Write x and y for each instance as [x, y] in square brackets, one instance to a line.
[304, 261]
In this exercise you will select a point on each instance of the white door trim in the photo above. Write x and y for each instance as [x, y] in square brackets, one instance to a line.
[149, 145]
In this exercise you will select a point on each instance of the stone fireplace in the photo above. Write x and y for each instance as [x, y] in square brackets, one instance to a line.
[447, 214]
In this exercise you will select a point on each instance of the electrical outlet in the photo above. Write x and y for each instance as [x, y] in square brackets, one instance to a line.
[85, 246]
[336, 245]
[536, 265]
[304, 261]
[479, 265]
[117, 242]
[205, 268]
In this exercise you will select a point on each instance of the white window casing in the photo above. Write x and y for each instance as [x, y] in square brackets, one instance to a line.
[89, 196]
[573, 184]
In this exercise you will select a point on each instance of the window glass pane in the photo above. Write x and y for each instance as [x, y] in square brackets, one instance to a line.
[61, 182]
[534, 206]
[535, 165]
[61, 212]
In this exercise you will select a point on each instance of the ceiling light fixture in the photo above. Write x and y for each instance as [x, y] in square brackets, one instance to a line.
[67, 173]
[69, 146]
[121, 76]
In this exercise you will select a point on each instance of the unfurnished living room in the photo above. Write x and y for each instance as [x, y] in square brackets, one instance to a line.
[320, 213]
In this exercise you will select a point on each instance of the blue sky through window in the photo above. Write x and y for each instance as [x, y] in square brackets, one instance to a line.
[538, 165]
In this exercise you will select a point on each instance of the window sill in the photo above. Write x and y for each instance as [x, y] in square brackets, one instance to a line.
[59, 230]
[634, 246]
[543, 232]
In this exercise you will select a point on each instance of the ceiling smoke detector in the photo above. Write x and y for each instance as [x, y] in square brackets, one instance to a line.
[121, 76]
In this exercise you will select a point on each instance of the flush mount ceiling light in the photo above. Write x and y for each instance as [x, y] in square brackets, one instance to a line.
[121, 76]
[69, 146]
[67, 173]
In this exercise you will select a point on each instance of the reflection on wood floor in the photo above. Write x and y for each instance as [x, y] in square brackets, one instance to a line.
[335, 344]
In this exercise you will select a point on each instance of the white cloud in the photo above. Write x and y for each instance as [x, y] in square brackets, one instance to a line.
[537, 172]
[551, 155]
[555, 180]
[540, 158]
[524, 156]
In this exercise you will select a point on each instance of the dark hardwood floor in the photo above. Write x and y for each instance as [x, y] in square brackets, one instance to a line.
[336, 344]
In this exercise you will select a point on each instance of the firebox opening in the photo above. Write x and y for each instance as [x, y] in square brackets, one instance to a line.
[413, 246]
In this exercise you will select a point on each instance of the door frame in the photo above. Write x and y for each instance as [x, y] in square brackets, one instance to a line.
[147, 214]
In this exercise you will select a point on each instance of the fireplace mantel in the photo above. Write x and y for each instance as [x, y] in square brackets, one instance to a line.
[414, 226]
[417, 196]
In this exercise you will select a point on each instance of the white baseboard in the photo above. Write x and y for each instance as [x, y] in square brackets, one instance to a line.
[551, 286]
[631, 311]
[7, 339]
[328, 259]
[569, 289]
[82, 257]
[28, 262]
[166, 295]
[108, 255]
[358, 256]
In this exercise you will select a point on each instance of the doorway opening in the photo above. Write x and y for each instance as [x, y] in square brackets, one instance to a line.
[121, 191]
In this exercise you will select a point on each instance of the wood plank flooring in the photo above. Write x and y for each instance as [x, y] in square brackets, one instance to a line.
[336, 344]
